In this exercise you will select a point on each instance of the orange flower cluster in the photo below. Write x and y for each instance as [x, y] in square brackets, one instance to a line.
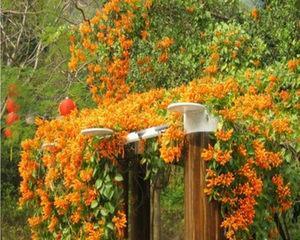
[171, 144]
[164, 45]
[265, 159]
[110, 27]
[120, 223]
[293, 64]
[283, 192]
[243, 201]
[92, 232]
[284, 95]
[207, 153]
[213, 180]
[212, 69]
[281, 126]
[255, 14]
[221, 157]
[224, 135]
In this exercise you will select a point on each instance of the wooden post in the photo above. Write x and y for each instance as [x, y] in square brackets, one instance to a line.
[202, 218]
[139, 219]
[125, 173]
[158, 183]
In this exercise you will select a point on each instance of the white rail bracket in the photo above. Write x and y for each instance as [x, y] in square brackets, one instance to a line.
[145, 134]
[47, 145]
[103, 132]
[195, 117]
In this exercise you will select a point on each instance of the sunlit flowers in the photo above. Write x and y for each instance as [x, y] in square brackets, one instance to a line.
[224, 135]
[222, 157]
[283, 192]
[208, 153]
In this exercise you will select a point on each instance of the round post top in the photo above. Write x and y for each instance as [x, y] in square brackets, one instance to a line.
[97, 132]
[184, 107]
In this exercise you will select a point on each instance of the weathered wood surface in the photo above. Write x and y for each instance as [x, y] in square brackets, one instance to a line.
[139, 199]
[125, 173]
[202, 218]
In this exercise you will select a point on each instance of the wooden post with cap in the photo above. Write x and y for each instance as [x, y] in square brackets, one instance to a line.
[202, 217]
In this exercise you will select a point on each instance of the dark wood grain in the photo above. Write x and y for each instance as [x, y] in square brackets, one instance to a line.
[202, 218]
[139, 199]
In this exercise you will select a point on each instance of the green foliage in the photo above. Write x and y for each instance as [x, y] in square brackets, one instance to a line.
[172, 205]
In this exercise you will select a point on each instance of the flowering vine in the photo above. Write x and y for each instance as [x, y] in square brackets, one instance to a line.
[74, 183]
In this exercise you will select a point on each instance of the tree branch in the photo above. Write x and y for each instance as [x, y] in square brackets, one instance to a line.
[279, 227]
[81, 10]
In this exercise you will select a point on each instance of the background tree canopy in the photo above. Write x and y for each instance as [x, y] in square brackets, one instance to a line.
[35, 55]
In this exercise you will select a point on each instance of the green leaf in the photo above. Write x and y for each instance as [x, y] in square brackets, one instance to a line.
[98, 183]
[94, 204]
[110, 226]
[119, 177]
[104, 212]
[109, 207]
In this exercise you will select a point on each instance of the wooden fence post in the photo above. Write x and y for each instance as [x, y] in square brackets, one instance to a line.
[139, 199]
[125, 173]
[202, 218]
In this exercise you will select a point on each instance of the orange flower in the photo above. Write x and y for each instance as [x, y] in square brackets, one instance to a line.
[85, 28]
[74, 198]
[212, 180]
[272, 78]
[215, 57]
[86, 175]
[242, 150]
[90, 195]
[284, 95]
[283, 192]
[34, 221]
[52, 224]
[190, 9]
[120, 223]
[255, 14]
[234, 54]
[293, 64]
[164, 57]
[93, 233]
[265, 159]
[144, 35]
[61, 205]
[256, 63]
[73, 64]
[171, 144]
[224, 136]
[213, 69]
[281, 125]
[208, 154]
[223, 157]
[75, 217]
[166, 42]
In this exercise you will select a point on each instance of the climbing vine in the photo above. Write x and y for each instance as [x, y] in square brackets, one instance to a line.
[74, 183]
